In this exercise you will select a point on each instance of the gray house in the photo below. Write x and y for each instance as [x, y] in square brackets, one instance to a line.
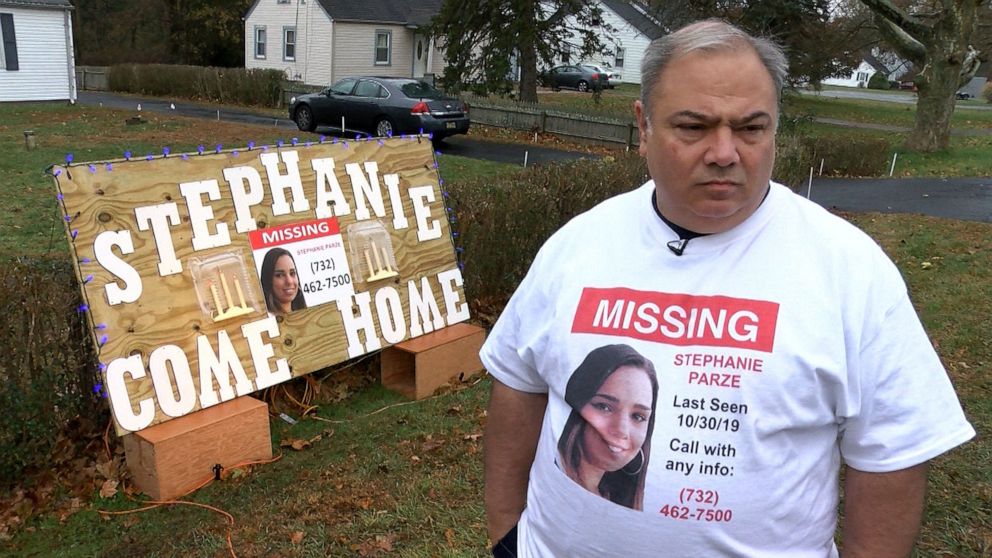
[36, 53]
[317, 42]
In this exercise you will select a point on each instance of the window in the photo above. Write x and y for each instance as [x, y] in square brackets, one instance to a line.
[289, 43]
[259, 41]
[343, 87]
[8, 44]
[383, 46]
[566, 53]
[369, 89]
[618, 58]
[282, 1]
[862, 76]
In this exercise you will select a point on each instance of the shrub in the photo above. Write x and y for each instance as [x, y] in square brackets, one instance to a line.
[48, 370]
[224, 85]
[878, 81]
[502, 224]
[987, 92]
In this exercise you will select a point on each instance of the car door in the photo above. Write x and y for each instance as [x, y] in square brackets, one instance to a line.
[364, 106]
[570, 76]
[558, 76]
[333, 104]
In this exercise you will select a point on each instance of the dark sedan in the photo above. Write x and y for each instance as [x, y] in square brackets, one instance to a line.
[383, 107]
[583, 78]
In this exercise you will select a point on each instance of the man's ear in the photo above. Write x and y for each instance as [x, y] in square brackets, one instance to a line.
[642, 127]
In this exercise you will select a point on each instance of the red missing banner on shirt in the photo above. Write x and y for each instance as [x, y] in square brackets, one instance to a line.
[678, 319]
[293, 232]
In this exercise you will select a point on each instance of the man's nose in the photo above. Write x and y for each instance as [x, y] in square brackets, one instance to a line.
[722, 149]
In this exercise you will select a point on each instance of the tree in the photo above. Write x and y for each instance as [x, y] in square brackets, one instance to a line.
[819, 40]
[483, 38]
[939, 40]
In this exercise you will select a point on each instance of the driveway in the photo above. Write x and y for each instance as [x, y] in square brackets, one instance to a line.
[969, 199]
[510, 153]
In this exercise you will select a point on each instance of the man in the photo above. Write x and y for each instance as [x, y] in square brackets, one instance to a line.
[783, 341]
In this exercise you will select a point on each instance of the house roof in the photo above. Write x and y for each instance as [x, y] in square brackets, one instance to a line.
[877, 64]
[402, 12]
[36, 4]
[636, 14]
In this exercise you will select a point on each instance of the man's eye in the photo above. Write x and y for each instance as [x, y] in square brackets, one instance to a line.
[690, 127]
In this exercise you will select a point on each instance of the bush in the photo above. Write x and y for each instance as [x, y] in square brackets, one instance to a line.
[502, 224]
[48, 370]
[987, 92]
[237, 86]
[878, 81]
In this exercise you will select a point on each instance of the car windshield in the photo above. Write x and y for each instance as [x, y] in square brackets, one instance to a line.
[420, 90]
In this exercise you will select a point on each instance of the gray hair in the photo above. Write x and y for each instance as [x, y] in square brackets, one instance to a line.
[710, 35]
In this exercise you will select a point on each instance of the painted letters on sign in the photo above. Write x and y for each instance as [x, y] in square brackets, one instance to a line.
[194, 258]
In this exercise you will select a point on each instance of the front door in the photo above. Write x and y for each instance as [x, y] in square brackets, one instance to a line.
[421, 48]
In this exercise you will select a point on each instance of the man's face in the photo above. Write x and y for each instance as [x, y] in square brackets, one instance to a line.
[710, 143]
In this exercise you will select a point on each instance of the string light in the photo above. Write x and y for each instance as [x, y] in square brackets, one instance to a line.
[251, 145]
[166, 151]
[109, 166]
[127, 155]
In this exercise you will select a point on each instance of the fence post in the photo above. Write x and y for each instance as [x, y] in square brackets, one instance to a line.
[544, 121]
[630, 135]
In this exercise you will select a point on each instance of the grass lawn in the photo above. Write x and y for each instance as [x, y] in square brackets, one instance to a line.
[385, 477]
[30, 222]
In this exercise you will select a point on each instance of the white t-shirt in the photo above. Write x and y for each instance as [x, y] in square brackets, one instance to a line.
[780, 347]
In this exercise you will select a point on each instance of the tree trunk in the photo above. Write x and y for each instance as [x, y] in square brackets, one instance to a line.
[528, 74]
[527, 46]
[936, 85]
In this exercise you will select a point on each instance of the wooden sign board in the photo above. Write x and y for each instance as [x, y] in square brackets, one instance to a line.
[210, 276]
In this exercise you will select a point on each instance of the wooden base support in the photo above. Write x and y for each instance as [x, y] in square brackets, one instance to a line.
[417, 367]
[170, 459]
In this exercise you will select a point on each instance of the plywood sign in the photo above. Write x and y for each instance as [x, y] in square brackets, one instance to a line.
[215, 275]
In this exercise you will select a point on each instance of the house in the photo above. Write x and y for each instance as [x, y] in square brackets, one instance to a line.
[976, 86]
[627, 28]
[317, 42]
[890, 65]
[36, 53]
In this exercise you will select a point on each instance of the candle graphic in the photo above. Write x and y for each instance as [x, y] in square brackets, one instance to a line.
[375, 253]
[385, 258]
[213, 291]
[241, 294]
[227, 290]
[368, 262]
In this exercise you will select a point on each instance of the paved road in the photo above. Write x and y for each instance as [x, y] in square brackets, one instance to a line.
[958, 198]
[876, 95]
[969, 199]
[511, 153]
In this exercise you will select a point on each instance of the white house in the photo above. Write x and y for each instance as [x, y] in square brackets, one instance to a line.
[318, 42]
[626, 31]
[36, 52]
[891, 66]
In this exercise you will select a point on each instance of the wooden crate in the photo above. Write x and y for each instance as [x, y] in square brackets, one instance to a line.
[170, 459]
[417, 367]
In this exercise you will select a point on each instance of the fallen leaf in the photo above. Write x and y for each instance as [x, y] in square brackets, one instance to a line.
[449, 535]
[472, 437]
[109, 489]
[296, 537]
[295, 443]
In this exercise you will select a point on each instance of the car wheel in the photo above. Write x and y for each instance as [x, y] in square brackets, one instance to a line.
[384, 128]
[583, 86]
[304, 119]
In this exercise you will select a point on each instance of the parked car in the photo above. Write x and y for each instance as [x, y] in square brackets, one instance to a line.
[382, 106]
[961, 95]
[612, 78]
[582, 78]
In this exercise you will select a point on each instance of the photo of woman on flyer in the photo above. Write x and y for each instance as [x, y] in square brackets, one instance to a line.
[605, 445]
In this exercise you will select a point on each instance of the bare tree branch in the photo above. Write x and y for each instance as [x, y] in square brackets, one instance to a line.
[905, 44]
[908, 23]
